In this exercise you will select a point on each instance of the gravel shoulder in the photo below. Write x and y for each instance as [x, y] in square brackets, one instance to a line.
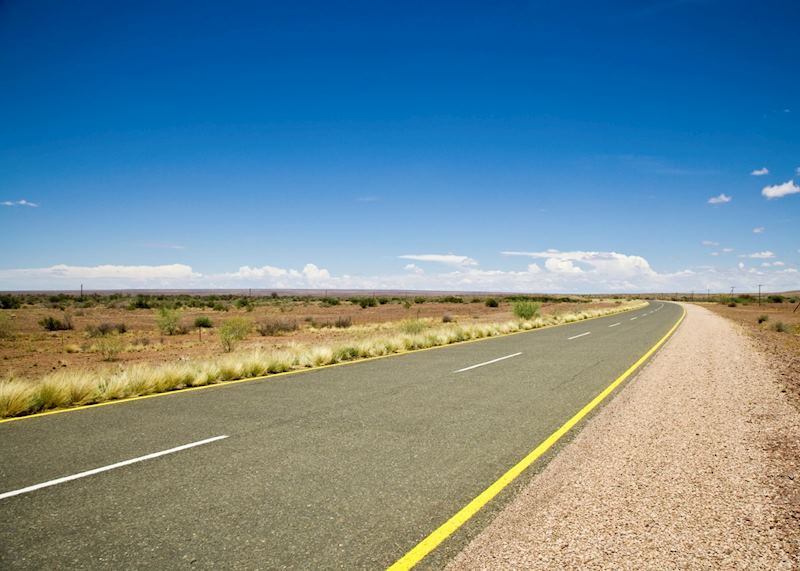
[694, 465]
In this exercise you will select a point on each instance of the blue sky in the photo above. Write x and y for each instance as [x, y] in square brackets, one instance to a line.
[525, 146]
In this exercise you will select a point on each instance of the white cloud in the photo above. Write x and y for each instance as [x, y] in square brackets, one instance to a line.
[571, 271]
[449, 259]
[21, 202]
[765, 255]
[709, 243]
[778, 263]
[780, 190]
[727, 250]
[758, 230]
[309, 275]
[721, 199]
[413, 268]
[102, 276]
[715, 253]
[562, 266]
[760, 172]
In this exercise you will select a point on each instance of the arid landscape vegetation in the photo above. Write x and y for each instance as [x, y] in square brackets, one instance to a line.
[61, 350]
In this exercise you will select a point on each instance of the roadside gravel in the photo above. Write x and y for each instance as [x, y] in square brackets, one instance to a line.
[687, 468]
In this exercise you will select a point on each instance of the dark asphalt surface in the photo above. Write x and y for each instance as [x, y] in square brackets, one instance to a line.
[347, 467]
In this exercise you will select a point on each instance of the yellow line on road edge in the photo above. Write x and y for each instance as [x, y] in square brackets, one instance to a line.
[299, 371]
[449, 527]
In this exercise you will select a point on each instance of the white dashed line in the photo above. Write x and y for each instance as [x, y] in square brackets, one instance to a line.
[614, 324]
[576, 336]
[106, 468]
[487, 362]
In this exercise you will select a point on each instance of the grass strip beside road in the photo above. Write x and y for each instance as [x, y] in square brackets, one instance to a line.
[68, 390]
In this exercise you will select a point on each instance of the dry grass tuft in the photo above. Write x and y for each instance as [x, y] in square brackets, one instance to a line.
[74, 388]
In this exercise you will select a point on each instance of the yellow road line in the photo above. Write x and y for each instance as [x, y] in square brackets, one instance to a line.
[296, 372]
[449, 527]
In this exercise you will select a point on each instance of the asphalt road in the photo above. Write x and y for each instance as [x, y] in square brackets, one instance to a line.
[347, 467]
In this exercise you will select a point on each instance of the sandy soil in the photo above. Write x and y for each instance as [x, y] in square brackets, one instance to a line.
[692, 466]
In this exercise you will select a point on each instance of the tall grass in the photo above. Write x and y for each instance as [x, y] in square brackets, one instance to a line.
[74, 388]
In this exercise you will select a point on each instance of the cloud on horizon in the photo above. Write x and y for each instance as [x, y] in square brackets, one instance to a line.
[449, 259]
[568, 271]
[760, 172]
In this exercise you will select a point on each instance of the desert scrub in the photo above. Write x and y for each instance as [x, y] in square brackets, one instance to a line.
[413, 326]
[233, 331]
[780, 327]
[168, 321]
[6, 332]
[109, 346]
[526, 309]
[76, 387]
[276, 328]
[50, 323]
[203, 322]
[343, 322]
[105, 329]
[763, 318]
[492, 302]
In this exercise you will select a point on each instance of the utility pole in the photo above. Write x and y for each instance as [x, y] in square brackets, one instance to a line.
[732, 288]
[81, 292]
[759, 293]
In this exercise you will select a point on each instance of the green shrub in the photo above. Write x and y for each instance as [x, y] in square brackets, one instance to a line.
[732, 304]
[420, 299]
[526, 309]
[203, 322]
[50, 323]
[407, 303]
[275, 328]
[168, 321]
[763, 318]
[492, 302]
[447, 318]
[232, 331]
[109, 346]
[9, 302]
[413, 326]
[366, 302]
[105, 328]
[780, 327]
[141, 302]
[329, 301]
[451, 299]
[776, 298]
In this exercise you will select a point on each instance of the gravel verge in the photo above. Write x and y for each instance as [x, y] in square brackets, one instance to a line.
[687, 468]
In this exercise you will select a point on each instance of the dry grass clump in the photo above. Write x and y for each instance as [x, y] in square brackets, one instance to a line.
[74, 388]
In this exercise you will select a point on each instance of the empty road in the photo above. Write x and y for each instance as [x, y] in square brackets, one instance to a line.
[346, 467]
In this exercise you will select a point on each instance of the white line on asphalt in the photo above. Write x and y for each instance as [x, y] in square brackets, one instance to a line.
[576, 336]
[614, 324]
[106, 468]
[488, 362]
[632, 318]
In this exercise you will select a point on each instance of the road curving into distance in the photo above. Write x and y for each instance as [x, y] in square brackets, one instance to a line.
[345, 467]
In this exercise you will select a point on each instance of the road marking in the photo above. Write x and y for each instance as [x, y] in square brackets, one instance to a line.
[632, 318]
[488, 362]
[614, 324]
[107, 468]
[432, 541]
[576, 336]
